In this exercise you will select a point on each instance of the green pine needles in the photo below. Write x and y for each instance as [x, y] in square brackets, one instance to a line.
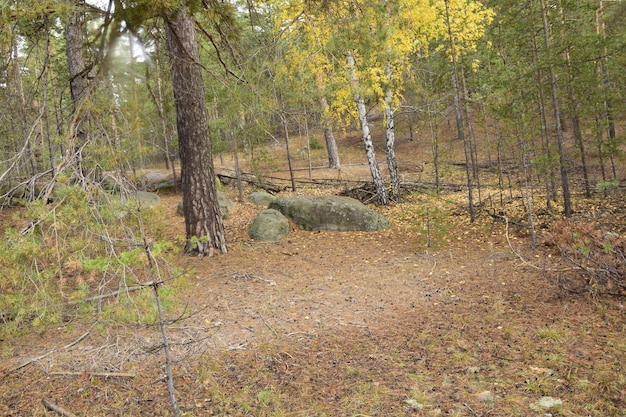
[79, 255]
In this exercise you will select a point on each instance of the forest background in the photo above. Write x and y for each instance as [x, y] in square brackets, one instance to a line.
[508, 102]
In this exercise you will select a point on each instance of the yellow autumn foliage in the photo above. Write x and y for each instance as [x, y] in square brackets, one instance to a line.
[381, 35]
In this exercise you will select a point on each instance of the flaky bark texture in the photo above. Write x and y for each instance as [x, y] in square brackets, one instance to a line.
[329, 137]
[567, 202]
[74, 44]
[79, 84]
[203, 219]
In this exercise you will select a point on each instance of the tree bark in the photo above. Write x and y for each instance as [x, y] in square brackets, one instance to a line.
[329, 137]
[567, 205]
[459, 118]
[392, 161]
[607, 111]
[284, 121]
[79, 83]
[74, 44]
[203, 219]
[379, 183]
[545, 137]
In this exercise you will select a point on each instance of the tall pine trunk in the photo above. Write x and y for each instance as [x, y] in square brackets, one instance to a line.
[606, 113]
[203, 219]
[567, 205]
[458, 116]
[329, 137]
[78, 72]
[545, 136]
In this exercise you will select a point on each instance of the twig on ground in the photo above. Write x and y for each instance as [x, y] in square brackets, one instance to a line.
[268, 326]
[99, 374]
[114, 293]
[471, 409]
[524, 261]
[38, 358]
[240, 346]
[508, 240]
[77, 341]
[30, 361]
[246, 276]
[53, 407]
[432, 270]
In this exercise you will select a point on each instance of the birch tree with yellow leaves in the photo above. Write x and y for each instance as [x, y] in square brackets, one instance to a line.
[363, 52]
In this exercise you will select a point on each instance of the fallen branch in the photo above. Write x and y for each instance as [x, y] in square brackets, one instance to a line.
[53, 407]
[30, 361]
[115, 293]
[77, 341]
[98, 374]
[38, 358]
[521, 258]
[268, 326]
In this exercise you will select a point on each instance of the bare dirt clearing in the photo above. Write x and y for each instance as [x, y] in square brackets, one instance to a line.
[344, 324]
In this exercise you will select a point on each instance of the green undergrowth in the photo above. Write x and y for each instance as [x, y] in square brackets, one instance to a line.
[79, 255]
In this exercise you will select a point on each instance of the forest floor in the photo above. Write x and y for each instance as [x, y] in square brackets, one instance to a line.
[350, 324]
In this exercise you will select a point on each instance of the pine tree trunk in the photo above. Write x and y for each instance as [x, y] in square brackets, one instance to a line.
[434, 143]
[287, 146]
[567, 205]
[607, 111]
[379, 183]
[74, 44]
[522, 144]
[18, 111]
[548, 174]
[44, 100]
[458, 116]
[578, 136]
[471, 137]
[573, 110]
[329, 137]
[160, 110]
[203, 218]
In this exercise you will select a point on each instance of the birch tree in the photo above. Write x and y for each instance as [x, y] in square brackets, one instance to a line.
[377, 38]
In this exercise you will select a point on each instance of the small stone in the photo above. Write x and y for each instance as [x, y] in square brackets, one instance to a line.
[485, 397]
[413, 404]
[545, 403]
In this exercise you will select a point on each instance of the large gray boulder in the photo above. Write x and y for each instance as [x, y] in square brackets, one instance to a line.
[331, 213]
[225, 205]
[261, 198]
[269, 226]
[141, 200]
[158, 180]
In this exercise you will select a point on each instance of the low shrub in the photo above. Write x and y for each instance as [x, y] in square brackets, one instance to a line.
[596, 257]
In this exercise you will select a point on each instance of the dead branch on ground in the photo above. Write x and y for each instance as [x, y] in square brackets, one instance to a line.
[53, 407]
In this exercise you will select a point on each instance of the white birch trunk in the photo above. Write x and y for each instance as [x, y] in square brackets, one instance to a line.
[392, 162]
[379, 183]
